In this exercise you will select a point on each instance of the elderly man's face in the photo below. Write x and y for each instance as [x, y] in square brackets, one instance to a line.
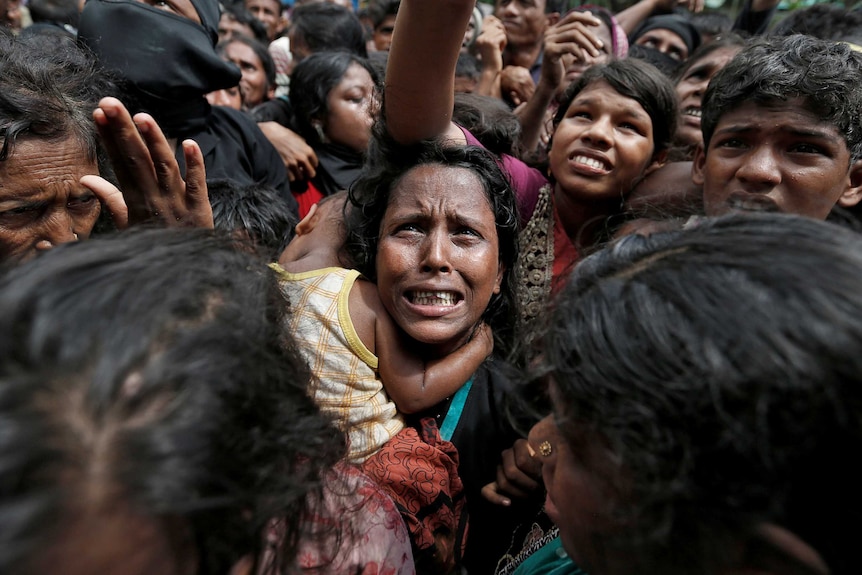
[42, 201]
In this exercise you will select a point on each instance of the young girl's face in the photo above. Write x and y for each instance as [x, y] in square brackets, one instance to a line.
[603, 145]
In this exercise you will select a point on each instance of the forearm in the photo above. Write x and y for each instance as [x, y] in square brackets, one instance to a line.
[532, 116]
[631, 17]
[419, 91]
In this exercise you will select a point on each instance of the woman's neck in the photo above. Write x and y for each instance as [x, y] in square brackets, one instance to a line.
[583, 220]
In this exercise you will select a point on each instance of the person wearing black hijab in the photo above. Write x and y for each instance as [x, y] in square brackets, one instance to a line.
[165, 61]
[671, 34]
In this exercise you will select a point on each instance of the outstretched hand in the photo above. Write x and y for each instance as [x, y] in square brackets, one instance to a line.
[574, 34]
[152, 188]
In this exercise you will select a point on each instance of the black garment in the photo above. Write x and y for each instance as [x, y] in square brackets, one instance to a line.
[166, 63]
[337, 168]
[235, 149]
[483, 432]
[753, 23]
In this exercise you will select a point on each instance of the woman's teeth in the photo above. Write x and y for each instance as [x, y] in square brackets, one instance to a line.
[433, 298]
[590, 162]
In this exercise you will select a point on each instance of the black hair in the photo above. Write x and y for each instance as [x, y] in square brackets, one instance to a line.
[824, 75]
[369, 196]
[725, 41]
[260, 50]
[723, 378]
[638, 80]
[468, 66]
[490, 120]
[824, 21]
[381, 9]
[310, 84]
[48, 92]
[54, 11]
[256, 211]
[324, 26]
[238, 12]
[150, 370]
[665, 64]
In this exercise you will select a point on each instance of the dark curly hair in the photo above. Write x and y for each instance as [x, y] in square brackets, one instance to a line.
[149, 371]
[725, 379]
[824, 75]
[369, 197]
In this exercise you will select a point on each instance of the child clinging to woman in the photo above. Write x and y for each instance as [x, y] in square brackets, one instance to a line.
[366, 376]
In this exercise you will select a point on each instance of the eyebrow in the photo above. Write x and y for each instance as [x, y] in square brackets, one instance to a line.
[810, 133]
[632, 110]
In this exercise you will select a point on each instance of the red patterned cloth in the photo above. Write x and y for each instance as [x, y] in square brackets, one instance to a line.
[419, 471]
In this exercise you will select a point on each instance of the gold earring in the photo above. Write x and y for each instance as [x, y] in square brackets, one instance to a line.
[545, 448]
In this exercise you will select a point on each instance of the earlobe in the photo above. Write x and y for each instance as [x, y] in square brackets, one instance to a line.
[853, 194]
[697, 165]
[658, 161]
[500, 273]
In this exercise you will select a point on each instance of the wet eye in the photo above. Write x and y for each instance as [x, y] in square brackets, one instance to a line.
[730, 143]
[807, 148]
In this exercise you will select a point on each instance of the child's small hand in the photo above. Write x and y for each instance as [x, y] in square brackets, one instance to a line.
[519, 475]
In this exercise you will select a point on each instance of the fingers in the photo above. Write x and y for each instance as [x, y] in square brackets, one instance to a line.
[491, 493]
[110, 197]
[200, 213]
[161, 156]
[518, 474]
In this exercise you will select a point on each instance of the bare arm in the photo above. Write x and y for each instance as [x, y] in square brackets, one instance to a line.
[631, 17]
[420, 74]
[298, 157]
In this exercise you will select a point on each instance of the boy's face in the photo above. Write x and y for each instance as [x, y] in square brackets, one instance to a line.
[776, 158]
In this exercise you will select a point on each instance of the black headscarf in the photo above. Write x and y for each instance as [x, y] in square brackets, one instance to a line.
[166, 63]
[679, 25]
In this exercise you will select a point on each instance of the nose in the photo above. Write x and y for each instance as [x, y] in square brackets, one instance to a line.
[760, 168]
[57, 230]
[436, 256]
[599, 132]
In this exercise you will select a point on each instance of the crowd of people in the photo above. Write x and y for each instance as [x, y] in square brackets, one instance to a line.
[529, 287]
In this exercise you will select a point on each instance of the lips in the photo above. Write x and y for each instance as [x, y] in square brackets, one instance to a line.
[589, 163]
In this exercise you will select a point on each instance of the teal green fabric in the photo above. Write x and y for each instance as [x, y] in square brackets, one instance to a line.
[551, 559]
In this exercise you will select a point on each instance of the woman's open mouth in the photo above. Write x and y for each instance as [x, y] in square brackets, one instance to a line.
[433, 298]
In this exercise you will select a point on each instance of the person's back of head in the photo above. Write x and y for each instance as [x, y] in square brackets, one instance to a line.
[253, 212]
[322, 26]
[710, 385]
[490, 120]
[152, 411]
[823, 75]
[824, 21]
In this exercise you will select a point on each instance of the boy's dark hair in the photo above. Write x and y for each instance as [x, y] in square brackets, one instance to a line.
[324, 26]
[824, 75]
[725, 41]
[257, 211]
[639, 81]
[468, 66]
[725, 378]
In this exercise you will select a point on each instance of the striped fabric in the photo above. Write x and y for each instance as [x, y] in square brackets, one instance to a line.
[347, 385]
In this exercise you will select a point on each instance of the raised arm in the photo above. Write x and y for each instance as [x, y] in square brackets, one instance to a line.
[420, 74]
[631, 17]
